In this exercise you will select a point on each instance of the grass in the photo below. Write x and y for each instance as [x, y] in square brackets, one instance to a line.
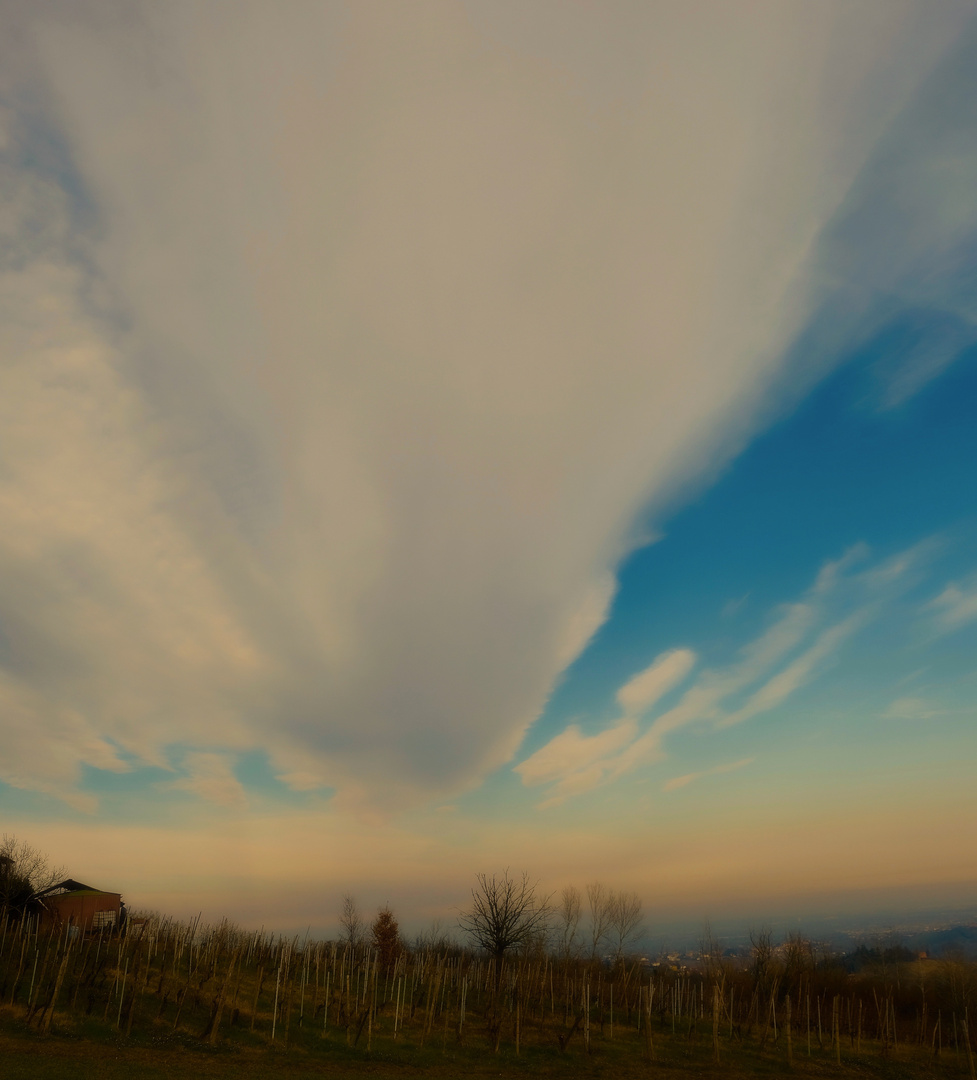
[170, 1000]
[92, 1050]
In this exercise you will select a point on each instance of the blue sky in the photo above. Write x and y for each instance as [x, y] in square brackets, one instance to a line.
[839, 475]
[502, 435]
[836, 473]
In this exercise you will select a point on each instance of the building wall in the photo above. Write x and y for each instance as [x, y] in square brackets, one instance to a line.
[83, 909]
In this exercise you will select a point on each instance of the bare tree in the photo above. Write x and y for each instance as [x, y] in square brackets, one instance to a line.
[624, 921]
[761, 957]
[711, 954]
[506, 913]
[567, 918]
[599, 900]
[350, 921]
[24, 872]
[798, 958]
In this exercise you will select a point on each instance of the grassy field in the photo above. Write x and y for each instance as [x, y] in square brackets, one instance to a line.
[28, 1056]
[173, 1000]
[93, 1050]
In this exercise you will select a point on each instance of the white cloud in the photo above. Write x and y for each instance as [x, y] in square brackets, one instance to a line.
[344, 347]
[45, 743]
[955, 606]
[703, 700]
[642, 691]
[576, 783]
[582, 624]
[905, 233]
[571, 752]
[911, 708]
[211, 777]
[574, 763]
[798, 672]
[833, 570]
[731, 607]
[915, 364]
[846, 595]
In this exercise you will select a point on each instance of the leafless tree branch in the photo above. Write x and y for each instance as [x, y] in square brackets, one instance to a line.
[506, 913]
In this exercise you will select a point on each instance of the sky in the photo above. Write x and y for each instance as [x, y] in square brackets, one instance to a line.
[459, 436]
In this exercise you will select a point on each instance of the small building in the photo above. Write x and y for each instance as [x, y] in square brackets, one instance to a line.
[80, 905]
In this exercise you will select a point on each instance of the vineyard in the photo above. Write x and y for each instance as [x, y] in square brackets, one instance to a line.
[252, 998]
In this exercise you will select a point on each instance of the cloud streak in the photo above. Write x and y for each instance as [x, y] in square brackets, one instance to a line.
[343, 349]
[804, 637]
[911, 708]
[690, 778]
[643, 690]
[956, 606]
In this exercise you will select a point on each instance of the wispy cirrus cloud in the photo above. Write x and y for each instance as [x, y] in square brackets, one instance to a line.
[690, 778]
[643, 690]
[799, 671]
[912, 708]
[574, 762]
[955, 607]
[703, 701]
[805, 636]
[572, 753]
